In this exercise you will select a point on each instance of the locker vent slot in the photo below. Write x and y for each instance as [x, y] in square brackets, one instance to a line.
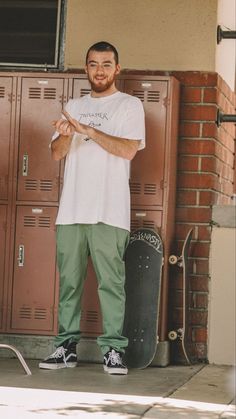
[40, 313]
[31, 185]
[153, 96]
[34, 93]
[139, 94]
[46, 185]
[135, 188]
[150, 189]
[29, 221]
[135, 224]
[44, 222]
[50, 93]
[89, 316]
[149, 224]
[84, 92]
[2, 91]
[25, 313]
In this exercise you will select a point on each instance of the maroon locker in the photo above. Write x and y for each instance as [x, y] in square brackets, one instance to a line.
[41, 103]
[147, 168]
[153, 170]
[81, 87]
[34, 289]
[142, 218]
[5, 131]
[3, 215]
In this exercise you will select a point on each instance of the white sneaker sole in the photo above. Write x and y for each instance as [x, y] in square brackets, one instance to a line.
[46, 366]
[115, 371]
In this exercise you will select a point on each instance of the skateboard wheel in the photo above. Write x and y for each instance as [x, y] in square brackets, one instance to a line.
[173, 259]
[172, 335]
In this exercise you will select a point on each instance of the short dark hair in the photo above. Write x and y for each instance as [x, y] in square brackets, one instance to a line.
[103, 46]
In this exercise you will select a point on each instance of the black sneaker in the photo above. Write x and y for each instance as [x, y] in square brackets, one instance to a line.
[113, 363]
[63, 357]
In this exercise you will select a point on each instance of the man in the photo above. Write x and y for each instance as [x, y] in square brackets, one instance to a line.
[100, 135]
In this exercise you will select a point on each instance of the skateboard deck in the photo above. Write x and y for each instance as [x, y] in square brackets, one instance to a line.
[143, 264]
[183, 263]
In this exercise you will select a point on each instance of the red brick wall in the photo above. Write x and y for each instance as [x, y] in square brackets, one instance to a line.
[205, 177]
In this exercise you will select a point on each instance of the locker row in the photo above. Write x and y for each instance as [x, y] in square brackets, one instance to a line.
[30, 186]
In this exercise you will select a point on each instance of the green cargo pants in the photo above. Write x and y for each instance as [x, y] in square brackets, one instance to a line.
[106, 245]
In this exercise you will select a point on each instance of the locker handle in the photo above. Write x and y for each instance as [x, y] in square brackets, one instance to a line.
[140, 214]
[21, 255]
[25, 165]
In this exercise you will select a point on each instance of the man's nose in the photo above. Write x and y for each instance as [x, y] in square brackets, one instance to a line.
[100, 68]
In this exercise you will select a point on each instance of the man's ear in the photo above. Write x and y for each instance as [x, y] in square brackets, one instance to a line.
[86, 69]
[118, 68]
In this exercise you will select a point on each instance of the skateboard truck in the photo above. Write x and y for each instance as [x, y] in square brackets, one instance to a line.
[175, 334]
[173, 260]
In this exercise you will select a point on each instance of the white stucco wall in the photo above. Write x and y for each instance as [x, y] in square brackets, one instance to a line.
[226, 49]
[221, 326]
[149, 34]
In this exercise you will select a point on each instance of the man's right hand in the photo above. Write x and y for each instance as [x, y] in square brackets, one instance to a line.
[63, 127]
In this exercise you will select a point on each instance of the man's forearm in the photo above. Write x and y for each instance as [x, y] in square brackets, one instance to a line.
[120, 147]
[61, 146]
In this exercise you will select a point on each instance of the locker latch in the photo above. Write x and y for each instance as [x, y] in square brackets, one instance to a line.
[21, 255]
[25, 165]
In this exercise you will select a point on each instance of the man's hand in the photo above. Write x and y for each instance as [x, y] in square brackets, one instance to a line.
[74, 124]
[63, 127]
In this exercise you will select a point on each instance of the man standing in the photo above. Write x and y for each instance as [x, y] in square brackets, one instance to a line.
[99, 137]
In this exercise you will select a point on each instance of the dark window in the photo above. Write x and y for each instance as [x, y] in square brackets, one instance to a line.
[30, 32]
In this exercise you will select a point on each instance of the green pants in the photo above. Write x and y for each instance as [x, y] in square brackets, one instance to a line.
[106, 245]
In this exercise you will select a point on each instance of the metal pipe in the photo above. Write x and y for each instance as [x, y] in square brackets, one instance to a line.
[221, 117]
[224, 34]
[19, 356]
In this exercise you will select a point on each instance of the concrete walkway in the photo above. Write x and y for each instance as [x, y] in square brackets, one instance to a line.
[173, 392]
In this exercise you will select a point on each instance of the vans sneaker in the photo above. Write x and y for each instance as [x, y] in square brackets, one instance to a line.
[113, 363]
[63, 357]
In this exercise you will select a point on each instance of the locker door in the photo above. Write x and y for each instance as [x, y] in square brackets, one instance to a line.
[5, 121]
[147, 168]
[81, 87]
[141, 218]
[3, 215]
[34, 281]
[41, 103]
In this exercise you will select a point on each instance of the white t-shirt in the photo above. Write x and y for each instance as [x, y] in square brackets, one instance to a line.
[96, 183]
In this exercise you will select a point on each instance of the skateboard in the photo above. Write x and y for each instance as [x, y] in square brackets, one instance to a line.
[183, 263]
[143, 266]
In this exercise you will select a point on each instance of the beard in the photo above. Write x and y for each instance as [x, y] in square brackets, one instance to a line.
[100, 87]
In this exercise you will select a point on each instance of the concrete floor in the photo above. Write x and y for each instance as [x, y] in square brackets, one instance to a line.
[173, 392]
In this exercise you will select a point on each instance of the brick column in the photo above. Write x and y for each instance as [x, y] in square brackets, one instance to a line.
[205, 177]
